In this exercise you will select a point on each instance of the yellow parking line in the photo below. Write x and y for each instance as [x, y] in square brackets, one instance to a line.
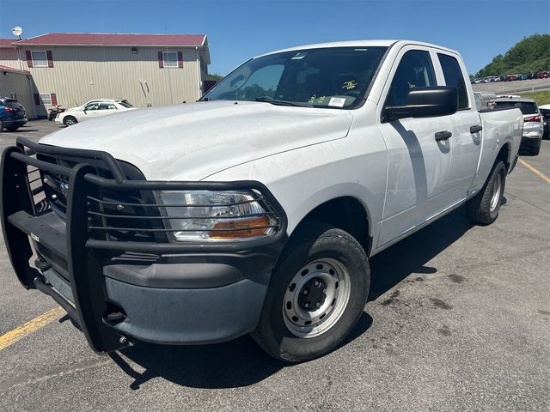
[535, 171]
[15, 335]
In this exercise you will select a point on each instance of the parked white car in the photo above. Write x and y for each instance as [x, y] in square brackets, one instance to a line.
[93, 109]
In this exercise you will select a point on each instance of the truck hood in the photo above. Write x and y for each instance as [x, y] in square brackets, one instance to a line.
[193, 141]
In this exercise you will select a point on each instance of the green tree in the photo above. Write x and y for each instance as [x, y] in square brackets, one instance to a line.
[530, 55]
[215, 77]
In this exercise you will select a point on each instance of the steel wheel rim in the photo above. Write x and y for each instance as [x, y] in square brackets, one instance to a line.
[495, 196]
[327, 301]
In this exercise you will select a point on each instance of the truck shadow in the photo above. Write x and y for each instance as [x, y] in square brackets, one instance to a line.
[410, 255]
[241, 362]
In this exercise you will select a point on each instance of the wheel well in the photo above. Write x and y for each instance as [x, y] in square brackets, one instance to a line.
[504, 155]
[345, 213]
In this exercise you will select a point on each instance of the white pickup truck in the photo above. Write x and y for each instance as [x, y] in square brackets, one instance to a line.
[256, 209]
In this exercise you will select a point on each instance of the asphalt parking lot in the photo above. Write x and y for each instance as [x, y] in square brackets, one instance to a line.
[458, 320]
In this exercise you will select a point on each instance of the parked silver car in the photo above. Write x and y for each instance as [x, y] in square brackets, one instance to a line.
[533, 124]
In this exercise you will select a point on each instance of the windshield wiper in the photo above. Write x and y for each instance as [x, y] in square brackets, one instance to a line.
[271, 100]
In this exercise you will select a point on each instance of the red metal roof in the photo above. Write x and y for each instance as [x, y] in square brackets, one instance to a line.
[12, 70]
[105, 39]
[7, 42]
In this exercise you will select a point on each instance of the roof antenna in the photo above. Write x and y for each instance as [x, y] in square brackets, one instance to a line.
[17, 31]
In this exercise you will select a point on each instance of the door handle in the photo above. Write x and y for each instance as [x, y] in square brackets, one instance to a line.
[475, 129]
[443, 135]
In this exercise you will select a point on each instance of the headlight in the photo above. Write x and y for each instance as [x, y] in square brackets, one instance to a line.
[205, 215]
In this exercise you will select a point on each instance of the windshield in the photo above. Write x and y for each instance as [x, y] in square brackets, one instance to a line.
[13, 104]
[330, 77]
[525, 107]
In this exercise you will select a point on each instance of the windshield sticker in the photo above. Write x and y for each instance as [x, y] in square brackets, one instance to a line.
[337, 101]
[299, 56]
[317, 100]
[349, 85]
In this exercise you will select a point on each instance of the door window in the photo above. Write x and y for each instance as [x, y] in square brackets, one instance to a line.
[454, 78]
[415, 70]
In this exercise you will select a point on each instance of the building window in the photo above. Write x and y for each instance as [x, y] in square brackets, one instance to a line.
[173, 60]
[46, 98]
[170, 59]
[39, 58]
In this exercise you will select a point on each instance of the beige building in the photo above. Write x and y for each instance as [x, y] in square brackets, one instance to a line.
[70, 69]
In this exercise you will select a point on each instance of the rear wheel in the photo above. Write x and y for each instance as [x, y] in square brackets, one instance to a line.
[69, 121]
[483, 208]
[1, 126]
[12, 128]
[316, 295]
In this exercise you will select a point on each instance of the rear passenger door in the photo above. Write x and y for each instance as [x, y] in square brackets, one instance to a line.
[465, 142]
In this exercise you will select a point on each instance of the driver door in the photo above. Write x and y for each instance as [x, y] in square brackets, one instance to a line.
[418, 150]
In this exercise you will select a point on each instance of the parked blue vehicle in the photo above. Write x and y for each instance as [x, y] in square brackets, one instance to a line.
[12, 114]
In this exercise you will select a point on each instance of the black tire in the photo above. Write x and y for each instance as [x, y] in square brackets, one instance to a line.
[12, 128]
[69, 120]
[483, 208]
[316, 296]
[1, 126]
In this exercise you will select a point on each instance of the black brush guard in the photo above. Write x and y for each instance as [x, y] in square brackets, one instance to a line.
[79, 251]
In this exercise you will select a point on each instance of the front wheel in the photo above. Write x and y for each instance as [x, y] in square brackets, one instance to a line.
[483, 208]
[316, 296]
[69, 121]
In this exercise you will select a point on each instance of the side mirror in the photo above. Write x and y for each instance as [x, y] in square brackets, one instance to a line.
[425, 102]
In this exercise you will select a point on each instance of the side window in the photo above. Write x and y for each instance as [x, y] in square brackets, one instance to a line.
[454, 78]
[415, 70]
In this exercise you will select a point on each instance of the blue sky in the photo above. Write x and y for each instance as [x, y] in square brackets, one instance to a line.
[239, 29]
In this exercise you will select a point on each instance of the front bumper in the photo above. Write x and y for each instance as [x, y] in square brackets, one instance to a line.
[185, 301]
[127, 287]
